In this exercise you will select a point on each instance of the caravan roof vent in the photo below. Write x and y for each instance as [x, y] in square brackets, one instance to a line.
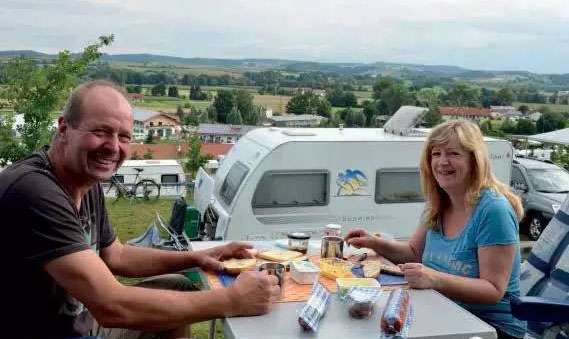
[298, 133]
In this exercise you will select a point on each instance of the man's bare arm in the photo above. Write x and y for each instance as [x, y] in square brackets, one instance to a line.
[85, 276]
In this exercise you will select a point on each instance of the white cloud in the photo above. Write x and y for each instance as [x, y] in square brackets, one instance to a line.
[487, 34]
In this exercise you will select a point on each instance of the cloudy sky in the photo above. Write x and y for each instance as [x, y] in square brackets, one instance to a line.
[478, 34]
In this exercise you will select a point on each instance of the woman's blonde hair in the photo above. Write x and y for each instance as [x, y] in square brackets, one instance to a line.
[469, 137]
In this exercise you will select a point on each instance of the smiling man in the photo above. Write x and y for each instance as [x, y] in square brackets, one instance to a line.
[62, 254]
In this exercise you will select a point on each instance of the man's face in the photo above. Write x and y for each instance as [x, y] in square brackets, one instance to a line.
[100, 143]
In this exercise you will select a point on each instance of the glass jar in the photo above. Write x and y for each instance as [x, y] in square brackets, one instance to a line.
[298, 241]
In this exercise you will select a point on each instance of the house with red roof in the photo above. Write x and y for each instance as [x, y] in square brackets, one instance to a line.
[470, 113]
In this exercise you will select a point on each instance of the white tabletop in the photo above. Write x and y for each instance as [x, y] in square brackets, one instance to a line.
[435, 316]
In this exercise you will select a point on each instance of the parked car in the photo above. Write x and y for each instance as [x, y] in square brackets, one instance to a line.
[542, 187]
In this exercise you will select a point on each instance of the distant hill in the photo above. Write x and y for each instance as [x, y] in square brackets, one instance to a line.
[400, 70]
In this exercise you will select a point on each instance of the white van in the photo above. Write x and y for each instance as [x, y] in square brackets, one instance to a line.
[169, 174]
[277, 180]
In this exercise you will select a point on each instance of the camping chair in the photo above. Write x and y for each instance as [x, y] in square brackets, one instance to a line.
[544, 281]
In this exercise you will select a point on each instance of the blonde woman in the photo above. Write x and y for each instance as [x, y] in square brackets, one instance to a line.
[467, 243]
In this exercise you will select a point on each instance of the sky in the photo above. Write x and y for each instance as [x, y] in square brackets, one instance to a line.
[479, 34]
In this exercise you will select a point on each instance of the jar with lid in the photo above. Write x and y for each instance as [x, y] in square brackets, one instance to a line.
[333, 230]
[298, 241]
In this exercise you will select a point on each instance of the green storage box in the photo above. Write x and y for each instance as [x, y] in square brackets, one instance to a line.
[192, 222]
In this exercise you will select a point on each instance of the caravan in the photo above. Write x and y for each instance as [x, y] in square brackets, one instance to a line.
[278, 180]
[168, 174]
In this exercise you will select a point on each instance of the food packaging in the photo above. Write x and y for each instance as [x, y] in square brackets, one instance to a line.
[310, 314]
[345, 284]
[361, 301]
[304, 272]
[336, 268]
[396, 315]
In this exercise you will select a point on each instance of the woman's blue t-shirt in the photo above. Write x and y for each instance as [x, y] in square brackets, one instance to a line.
[493, 222]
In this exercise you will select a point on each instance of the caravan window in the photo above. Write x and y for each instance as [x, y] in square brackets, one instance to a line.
[232, 182]
[398, 185]
[292, 189]
[169, 178]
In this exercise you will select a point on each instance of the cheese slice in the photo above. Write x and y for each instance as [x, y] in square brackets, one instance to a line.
[279, 255]
[236, 266]
[391, 269]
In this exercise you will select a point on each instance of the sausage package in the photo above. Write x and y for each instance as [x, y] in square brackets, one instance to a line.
[397, 315]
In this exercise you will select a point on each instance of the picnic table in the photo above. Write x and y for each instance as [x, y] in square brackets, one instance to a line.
[435, 316]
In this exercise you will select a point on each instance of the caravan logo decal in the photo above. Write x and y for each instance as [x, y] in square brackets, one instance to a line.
[352, 182]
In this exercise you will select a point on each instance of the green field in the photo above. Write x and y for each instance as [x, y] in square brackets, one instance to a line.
[179, 69]
[130, 219]
[553, 107]
[276, 102]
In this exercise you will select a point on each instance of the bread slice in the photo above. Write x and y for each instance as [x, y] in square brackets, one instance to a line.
[279, 255]
[391, 269]
[236, 266]
[371, 268]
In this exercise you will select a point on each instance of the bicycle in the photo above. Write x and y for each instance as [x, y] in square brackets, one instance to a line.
[145, 189]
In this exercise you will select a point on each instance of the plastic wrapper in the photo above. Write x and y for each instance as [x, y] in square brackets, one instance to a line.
[310, 314]
[361, 301]
[397, 315]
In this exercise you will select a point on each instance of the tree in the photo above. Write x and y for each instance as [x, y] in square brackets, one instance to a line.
[148, 154]
[173, 91]
[370, 111]
[158, 90]
[149, 137]
[303, 103]
[324, 108]
[526, 127]
[550, 121]
[432, 118]
[180, 112]
[508, 126]
[350, 99]
[223, 103]
[430, 97]
[37, 90]
[359, 119]
[244, 102]
[234, 117]
[196, 93]
[504, 97]
[462, 95]
[391, 95]
[135, 156]
[524, 109]
[195, 158]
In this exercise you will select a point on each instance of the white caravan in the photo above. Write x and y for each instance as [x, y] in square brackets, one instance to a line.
[278, 180]
[166, 173]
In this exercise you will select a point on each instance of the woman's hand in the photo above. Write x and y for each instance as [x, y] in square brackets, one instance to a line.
[361, 238]
[419, 276]
[210, 259]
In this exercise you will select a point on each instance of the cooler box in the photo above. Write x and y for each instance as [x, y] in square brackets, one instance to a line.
[192, 222]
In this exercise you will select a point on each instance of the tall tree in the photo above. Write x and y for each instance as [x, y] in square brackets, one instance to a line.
[223, 103]
[37, 90]
[244, 102]
[504, 97]
[359, 119]
[550, 121]
[195, 158]
[432, 118]
[159, 90]
[234, 117]
[526, 127]
[173, 91]
[462, 95]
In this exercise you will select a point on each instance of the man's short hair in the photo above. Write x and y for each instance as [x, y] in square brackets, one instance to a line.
[73, 111]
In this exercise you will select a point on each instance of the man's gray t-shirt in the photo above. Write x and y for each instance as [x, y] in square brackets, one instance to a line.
[41, 223]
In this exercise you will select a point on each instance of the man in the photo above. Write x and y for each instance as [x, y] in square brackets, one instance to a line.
[61, 254]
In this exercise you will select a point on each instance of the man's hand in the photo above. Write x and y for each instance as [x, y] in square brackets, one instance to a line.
[210, 259]
[253, 293]
[419, 276]
[361, 238]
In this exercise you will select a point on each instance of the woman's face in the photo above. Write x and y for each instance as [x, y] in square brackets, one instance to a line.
[450, 164]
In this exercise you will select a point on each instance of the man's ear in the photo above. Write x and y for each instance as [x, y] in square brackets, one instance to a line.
[62, 128]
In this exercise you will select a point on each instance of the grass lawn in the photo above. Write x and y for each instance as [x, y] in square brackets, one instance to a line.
[130, 219]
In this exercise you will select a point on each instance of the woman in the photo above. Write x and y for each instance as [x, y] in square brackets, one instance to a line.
[467, 243]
